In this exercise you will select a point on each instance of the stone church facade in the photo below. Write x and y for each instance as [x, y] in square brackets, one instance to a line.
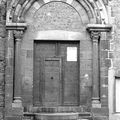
[59, 59]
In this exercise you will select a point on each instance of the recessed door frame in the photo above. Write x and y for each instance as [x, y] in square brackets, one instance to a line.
[62, 68]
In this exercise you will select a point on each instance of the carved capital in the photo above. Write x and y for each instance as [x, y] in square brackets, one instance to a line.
[18, 35]
[95, 36]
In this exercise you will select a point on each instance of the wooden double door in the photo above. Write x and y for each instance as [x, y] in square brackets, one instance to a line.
[56, 73]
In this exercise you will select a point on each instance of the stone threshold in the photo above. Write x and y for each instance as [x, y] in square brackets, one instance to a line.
[82, 114]
[60, 116]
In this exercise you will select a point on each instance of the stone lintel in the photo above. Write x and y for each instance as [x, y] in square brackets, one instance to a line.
[16, 26]
[99, 27]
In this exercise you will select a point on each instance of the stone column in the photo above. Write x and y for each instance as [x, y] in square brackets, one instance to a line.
[17, 79]
[95, 30]
[96, 90]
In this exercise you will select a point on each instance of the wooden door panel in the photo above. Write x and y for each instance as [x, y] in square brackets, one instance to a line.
[44, 49]
[71, 84]
[70, 75]
[41, 50]
[52, 82]
[56, 78]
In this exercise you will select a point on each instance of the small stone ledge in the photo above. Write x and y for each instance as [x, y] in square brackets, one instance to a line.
[16, 26]
[99, 27]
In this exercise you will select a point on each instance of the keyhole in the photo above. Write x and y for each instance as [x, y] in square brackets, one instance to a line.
[51, 78]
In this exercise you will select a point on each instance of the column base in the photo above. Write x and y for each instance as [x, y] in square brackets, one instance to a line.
[96, 103]
[17, 102]
[17, 108]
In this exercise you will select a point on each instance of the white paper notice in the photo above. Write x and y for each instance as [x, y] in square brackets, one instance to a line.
[71, 53]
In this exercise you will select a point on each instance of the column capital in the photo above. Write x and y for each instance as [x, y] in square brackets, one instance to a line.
[95, 35]
[18, 34]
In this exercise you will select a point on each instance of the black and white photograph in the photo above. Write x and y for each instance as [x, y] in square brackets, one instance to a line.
[59, 59]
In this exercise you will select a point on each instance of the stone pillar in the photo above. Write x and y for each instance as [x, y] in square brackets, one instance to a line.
[95, 30]
[9, 57]
[17, 72]
[96, 90]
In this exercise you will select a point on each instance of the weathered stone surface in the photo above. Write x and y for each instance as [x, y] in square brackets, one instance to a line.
[101, 118]
[105, 45]
[14, 118]
[56, 16]
[49, 18]
[2, 57]
[2, 31]
[100, 111]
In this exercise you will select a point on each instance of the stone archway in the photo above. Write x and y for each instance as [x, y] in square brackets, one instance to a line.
[34, 15]
[55, 21]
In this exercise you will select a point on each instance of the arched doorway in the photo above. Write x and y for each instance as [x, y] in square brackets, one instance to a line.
[58, 33]
[55, 59]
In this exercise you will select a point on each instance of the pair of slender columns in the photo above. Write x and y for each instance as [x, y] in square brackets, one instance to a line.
[95, 92]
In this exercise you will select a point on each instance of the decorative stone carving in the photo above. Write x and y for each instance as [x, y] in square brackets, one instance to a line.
[2, 12]
[18, 35]
[95, 35]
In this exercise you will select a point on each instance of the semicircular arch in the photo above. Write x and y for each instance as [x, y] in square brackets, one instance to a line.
[95, 10]
[19, 9]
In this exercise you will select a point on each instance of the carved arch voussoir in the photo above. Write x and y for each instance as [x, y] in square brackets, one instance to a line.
[92, 8]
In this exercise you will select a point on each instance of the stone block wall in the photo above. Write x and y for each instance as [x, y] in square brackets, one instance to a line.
[109, 49]
[114, 54]
[2, 56]
[115, 21]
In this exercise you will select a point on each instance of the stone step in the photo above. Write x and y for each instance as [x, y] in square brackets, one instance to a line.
[57, 116]
[60, 116]
[57, 109]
